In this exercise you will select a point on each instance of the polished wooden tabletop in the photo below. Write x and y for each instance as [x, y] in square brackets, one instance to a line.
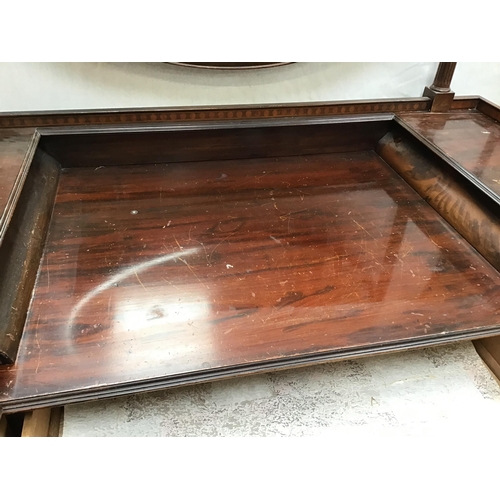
[155, 271]
[470, 138]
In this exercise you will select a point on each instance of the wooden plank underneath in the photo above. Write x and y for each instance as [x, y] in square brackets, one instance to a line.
[163, 275]
[36, 423]
[3, 425]
[426, 392]
[489, 350]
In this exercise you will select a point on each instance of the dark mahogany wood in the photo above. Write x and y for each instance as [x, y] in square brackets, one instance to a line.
[471, 139]
[465, 103]
[214, 141]
[22, 249]
[161, 275]
[461, 203]
[489, 109]
[443, 77]
[17, 147]
[207, 113]
[75, 347]
[439, 91]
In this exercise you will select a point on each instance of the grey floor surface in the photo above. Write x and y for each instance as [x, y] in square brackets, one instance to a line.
[413, 393]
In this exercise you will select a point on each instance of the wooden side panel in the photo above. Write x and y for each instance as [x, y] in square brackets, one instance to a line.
[489, 109]
[3, 426]
[56, 420]
[471, 139]
[17, 147]
[465, 103]
[102, 148]
[22, 249]
[463, 205]
[489, 350]
[36, 423]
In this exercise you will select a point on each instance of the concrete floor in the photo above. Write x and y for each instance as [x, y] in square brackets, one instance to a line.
[413, 393]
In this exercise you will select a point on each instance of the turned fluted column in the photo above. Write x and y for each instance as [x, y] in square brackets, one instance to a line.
[439, 91]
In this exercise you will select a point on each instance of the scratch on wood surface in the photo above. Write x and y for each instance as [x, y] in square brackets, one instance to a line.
[212, 252]
[205, 250]
[178, 244]
[109, 304]
[408, 251]
[170, 250]
[138, 279]
[435, 243]
[362, 228]
[171, 284]
[194, 274]
[252, 179]
[278, 241]
[38, 343]
[48, 272]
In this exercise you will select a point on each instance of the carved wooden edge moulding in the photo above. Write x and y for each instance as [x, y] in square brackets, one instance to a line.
[175, 114]
[114, 117]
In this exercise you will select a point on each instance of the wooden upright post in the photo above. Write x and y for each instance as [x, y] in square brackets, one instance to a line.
[440, 91]
[36, 423]
[3, 426]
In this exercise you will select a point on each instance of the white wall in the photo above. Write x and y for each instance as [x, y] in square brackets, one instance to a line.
[47, 86]
[478, 79]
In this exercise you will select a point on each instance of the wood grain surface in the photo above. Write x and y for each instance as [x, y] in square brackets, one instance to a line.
[22, 248]
[16, 149]
[472, 139]
[439, 91]
[70, 118]
[3, 426]
[161, 275]
[141, 144]
[468, 209]
[36, 423]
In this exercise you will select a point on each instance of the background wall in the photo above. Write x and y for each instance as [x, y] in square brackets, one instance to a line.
[46, 86]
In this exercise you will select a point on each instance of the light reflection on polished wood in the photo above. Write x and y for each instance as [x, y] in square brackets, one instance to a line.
[151, 272]
[14, 146]
[472, 139]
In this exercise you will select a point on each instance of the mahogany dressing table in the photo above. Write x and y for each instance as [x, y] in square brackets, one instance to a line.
[154, 248]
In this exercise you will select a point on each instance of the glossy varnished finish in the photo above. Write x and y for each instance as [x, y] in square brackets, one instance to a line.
[474, 215]
[16, 150]
[472, 139]
[439, 91]
[214, 140]
[22, 248]
[465, 103]
[160, 275]
[488, 108]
